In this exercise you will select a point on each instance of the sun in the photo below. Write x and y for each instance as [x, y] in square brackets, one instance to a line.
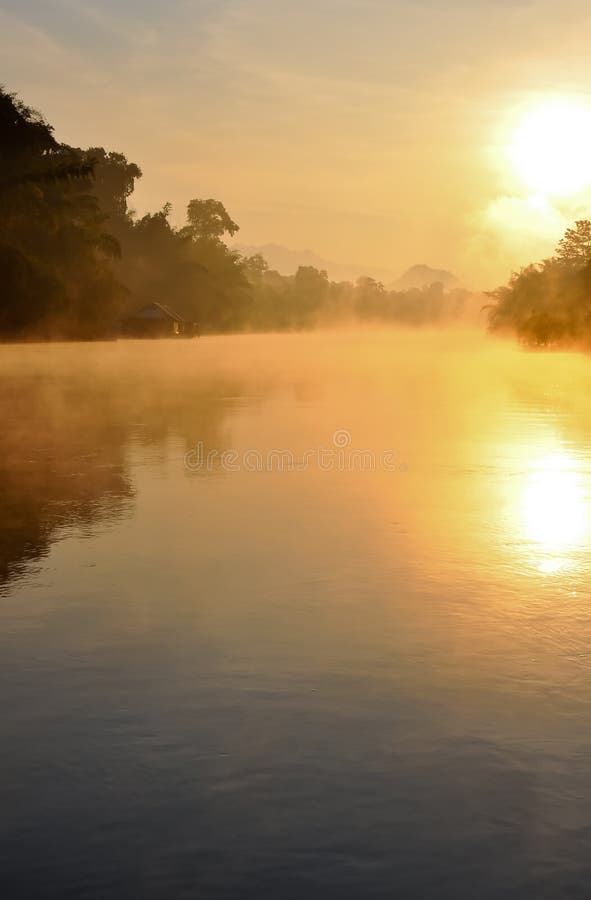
[550, 149]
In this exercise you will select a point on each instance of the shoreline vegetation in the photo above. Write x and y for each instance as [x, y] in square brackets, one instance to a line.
[76, 263]
[548, 304]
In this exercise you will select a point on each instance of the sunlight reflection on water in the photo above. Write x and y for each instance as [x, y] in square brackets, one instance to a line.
[556, 510]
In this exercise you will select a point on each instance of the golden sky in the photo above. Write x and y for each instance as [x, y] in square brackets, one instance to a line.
[379, 132]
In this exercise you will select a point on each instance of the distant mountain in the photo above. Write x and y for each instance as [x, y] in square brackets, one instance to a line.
[422, 276]
[287, 262]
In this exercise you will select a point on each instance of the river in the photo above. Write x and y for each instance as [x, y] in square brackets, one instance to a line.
[295, 616]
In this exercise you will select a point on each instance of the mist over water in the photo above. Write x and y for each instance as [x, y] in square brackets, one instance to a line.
[292, 671]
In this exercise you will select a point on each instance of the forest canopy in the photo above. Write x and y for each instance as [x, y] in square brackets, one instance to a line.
[549, 303]
[75, 260]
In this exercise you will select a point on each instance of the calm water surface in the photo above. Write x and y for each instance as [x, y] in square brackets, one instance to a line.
[351, 658]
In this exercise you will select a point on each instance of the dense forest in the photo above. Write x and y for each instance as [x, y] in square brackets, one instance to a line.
[75, 260]
[549, 303]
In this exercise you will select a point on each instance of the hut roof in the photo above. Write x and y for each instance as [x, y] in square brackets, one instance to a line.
[155, 310]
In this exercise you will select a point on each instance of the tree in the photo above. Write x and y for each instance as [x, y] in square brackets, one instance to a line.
[24, 133]
[208, 220]
[575, 246]
[370, 297]
[55, 257]
[29, 153]
[549, 302]
[309, 292]
[255, 268]
[114, 181]
[544, 304]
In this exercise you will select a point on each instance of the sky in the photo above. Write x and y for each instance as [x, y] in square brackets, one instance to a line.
[374, 132]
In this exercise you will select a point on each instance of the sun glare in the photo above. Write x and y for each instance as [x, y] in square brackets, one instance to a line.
[555, 509]
[551, 149]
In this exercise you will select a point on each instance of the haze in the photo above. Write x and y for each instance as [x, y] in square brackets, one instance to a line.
[370, 132]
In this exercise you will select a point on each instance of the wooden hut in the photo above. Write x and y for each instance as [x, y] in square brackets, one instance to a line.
[155, 320]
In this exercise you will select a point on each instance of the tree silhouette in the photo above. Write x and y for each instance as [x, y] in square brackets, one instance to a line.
[575, 246]
[29, 153]
[208, 220]
[54, 253]
[549, 303]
